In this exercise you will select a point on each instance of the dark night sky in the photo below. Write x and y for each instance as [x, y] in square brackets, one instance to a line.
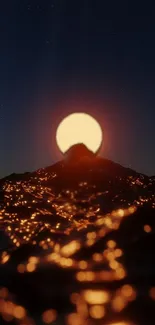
[63, 56]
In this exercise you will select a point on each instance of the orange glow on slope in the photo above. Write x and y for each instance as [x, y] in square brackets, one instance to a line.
[79, 128]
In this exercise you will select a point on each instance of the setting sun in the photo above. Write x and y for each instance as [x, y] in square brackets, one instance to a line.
[79, 128]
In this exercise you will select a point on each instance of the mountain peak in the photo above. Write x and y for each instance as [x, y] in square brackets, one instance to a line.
[79, 152]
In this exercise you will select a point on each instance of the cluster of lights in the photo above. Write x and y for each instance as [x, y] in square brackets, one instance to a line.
[32, 213]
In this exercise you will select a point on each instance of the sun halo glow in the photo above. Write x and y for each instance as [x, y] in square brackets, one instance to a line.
[79, 128]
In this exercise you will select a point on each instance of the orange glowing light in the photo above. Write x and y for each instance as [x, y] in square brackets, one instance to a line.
[79, 128]
[97, 311]
[96, 296]
[19, 312]
[152, 293]
[147, 228]
[120, 323]
[49, 316]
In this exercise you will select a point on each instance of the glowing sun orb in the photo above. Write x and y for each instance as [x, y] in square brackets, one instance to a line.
[79, 128]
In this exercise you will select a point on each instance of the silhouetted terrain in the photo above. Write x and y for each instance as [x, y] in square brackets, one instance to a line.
[77, 244]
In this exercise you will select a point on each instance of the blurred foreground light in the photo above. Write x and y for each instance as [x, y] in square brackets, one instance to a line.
[49, 316]
[19, 312]
[96, 296]
[30, 267]
[120, 323]
[97, 312]
[147, 228]
[128, 292]
[85, 276]
[21, 268]
[152, 293]
[74, 319]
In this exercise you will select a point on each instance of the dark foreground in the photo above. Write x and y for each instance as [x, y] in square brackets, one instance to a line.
[77, 244]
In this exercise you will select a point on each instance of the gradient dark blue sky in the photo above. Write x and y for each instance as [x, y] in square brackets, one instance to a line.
[63, 56]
